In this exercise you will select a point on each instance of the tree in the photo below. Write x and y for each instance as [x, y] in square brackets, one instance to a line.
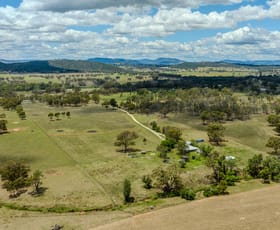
[50, 116]
[204, 116]
[36, 180]
[172, 133]
[182, 148]
[215, 132]
[57, 115]
[272, 164]
[168, 180]
[15, 177]
[125, 139]
[222, 169]
[22, 115]
[95, 97]
[255, 165]
[68, 114]
[3, 126]
[274, 143]
[273, 119]
[2, 115]
[113, 102]
[155, 126]
[127, 191]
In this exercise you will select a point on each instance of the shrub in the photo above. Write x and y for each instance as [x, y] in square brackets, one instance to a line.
[210, 191]
[147, 182]
[127, 191]
[182, 163]
[188, 194]
[216, 190]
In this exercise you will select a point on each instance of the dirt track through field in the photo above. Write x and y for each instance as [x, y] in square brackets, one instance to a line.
[256, 210]
[159, 135]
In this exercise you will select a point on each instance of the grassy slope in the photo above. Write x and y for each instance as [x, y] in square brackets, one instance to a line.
[84, 169]
[257, 209]
[243, 138]
[81, 168]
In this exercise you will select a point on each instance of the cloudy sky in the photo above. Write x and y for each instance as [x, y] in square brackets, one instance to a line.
[191, 30]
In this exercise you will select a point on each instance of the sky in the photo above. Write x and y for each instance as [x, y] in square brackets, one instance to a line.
[190, 30]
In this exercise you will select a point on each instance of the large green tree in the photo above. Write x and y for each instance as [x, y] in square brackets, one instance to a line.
[215, 132]
[126, 139]
[172, 133]
[168, 180]
[15, 177]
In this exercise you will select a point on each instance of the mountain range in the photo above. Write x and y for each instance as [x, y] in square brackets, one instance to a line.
[110, 65]
[138, 62]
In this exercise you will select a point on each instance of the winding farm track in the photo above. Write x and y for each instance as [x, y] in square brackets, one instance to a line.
[253, 210]
[159, 135]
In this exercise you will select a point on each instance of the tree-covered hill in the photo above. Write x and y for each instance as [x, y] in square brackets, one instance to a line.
[57, 66]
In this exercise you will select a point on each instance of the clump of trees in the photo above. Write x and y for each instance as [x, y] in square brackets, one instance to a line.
[15, 177]
[11, 102]
[21, 113]
[267, 168]
[168, 180]
[57, 115]
[274, 141]
[173, 137]
[75, 98]
[224, 171]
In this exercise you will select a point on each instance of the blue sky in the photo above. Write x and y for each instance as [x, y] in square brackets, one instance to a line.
[198, 30]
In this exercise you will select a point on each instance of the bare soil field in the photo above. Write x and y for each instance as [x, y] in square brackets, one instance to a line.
[258, 209]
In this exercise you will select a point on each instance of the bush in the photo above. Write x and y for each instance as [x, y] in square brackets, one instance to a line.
[147, 182]
[182, 163]
[219, 189]
[210, 191]
[230, 179]
[188, 194]
[127, 191]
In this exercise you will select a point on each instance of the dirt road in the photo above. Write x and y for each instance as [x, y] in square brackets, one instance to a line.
[159, 135]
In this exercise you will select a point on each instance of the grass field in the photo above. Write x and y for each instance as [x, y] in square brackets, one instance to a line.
[82, 166]
[83, 169]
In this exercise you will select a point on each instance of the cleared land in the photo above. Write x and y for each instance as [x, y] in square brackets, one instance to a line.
[82, 167]
[259, 209]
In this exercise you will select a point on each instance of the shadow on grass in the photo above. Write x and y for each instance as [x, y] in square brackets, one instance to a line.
[4, 158]
[129, 150]
[40, 192]
[17, 193]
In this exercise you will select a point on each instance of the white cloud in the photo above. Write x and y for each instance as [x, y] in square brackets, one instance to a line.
[70, 5]
[57, 34]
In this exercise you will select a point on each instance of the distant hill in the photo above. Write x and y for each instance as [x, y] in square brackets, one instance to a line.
[256, 63]
[13, 61]
[140, 62]
[57, 66]
[193, 65]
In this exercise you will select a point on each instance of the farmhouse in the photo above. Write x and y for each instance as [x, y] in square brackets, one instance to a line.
[191, 148]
